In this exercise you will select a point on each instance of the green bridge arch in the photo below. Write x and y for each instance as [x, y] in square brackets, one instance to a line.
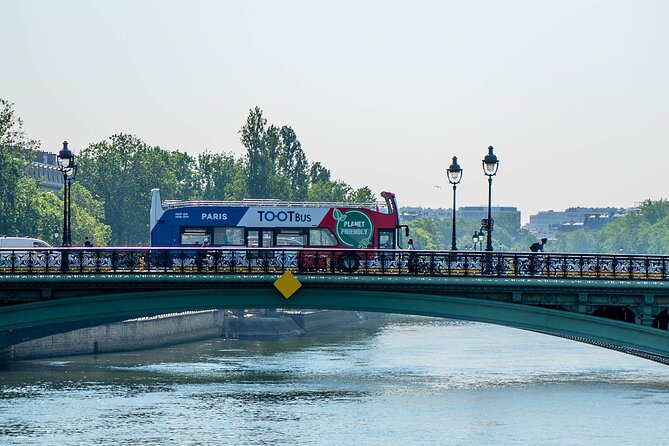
[529, 304]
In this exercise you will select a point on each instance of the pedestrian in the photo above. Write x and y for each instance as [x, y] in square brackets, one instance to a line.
[534, 259]
[201, 255]
[88, 243]
[538, 246]
[413, 257]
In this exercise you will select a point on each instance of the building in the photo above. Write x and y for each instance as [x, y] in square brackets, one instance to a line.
[477, 213]
[480, 212]
[45, 170]
[549, 223]
[409, 213]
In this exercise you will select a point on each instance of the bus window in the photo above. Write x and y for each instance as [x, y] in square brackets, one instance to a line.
[229, 236]
[322, 237]
[291, 238]
[193, 236]
[402, 236]
[386, 238]
[265, 236]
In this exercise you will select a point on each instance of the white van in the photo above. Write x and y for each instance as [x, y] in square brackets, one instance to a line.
[16, 252]
[22, 242]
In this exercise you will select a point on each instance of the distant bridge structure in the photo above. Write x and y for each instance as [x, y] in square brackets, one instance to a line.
[619, 302]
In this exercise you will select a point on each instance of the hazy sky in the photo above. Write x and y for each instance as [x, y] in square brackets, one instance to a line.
[573, 94]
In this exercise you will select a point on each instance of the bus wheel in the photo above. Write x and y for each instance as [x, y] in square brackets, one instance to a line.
[349, 263]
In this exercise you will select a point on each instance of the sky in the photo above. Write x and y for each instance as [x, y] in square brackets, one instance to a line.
[573, 95]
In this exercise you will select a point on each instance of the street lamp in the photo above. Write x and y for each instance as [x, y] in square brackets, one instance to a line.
[454, 174]
[68, 167]
[490, 165]
[475, 239]
[481, 235]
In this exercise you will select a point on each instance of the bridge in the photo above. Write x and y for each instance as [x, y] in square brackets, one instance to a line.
[619, 302]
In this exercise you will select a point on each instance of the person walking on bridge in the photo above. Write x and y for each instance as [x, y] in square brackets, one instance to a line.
[534, 258]
[413, 257]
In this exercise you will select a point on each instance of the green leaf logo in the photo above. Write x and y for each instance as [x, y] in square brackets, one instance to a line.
[338, 215]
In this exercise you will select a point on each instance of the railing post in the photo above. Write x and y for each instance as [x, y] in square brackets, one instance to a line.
[466, 265]
[564, 266]
[646, 264]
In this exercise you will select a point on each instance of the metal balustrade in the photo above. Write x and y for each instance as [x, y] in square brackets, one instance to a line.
[244, 260]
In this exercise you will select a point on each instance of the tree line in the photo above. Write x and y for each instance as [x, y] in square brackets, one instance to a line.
[112, 192]
[645, 231]
[111, 195]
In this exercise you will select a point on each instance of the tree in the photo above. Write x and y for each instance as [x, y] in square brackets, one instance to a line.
[223, 177]
[329, 191]
[654, 211]
[122, 171]
[15, 154]
[318, 173]
[276, 164]
[42, 215]
[292, 164]
[258, 160]
[362, 195]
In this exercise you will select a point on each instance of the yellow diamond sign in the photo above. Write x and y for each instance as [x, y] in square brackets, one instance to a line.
[287, 284]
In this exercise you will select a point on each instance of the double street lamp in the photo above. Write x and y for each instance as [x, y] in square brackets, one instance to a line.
[454, 174]
[490, 165]
[68, 167]
[478, 238]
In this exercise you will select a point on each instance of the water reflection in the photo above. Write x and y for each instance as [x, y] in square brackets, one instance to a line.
[410, 382]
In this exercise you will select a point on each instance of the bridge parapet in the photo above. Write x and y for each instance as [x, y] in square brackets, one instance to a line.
[209, 260]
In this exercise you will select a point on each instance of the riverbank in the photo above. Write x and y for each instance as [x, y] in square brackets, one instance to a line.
[171, 329]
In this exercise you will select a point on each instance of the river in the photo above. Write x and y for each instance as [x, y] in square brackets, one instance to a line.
[413, 381]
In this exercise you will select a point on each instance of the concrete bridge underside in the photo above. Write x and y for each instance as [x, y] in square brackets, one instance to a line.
[540, 305]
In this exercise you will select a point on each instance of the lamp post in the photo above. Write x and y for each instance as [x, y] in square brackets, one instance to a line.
[481, 235]
[490, 165]
[454, 174]
[475, 239]
[68, 167]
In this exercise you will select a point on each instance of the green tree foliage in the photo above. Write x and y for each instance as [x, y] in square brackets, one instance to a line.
[292, 164]
[643, 232]
[259, 160]
[318, 173]
[15, 153]
[222, 177]
[654, 211]
[42, 215]
[26, 210]
[362, 195]
[429, 233]
[87, 217]
[122, 171]
[276, 165]
[329, 191]
[581, 241]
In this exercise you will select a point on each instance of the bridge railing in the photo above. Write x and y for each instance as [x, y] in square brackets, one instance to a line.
[243, 260]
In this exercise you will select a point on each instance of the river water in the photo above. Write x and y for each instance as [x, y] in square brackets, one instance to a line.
[412, 381]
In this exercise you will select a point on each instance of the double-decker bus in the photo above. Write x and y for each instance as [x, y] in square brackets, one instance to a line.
[276, 224]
